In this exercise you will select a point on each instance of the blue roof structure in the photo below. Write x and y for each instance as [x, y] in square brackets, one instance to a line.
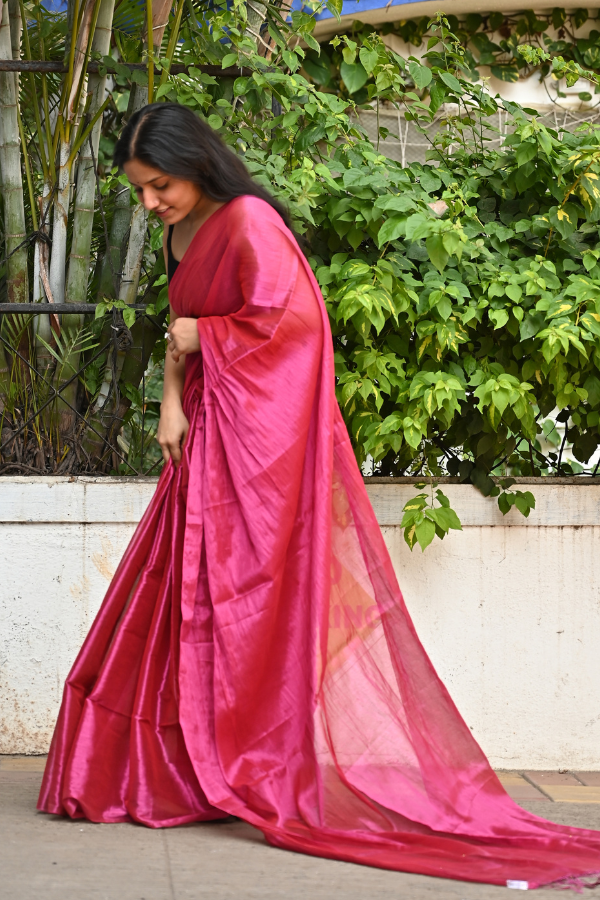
[355, 8]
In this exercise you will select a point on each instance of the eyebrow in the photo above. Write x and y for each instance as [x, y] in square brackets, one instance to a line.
[150, 181]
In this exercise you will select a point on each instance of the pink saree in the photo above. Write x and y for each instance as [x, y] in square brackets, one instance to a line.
[253, 655]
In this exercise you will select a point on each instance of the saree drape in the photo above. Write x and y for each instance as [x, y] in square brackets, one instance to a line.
[253, 655]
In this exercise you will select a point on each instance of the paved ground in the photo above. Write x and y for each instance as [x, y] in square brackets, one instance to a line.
[48, 858]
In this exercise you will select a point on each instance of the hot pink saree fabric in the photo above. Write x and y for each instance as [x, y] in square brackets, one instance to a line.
[253, 655]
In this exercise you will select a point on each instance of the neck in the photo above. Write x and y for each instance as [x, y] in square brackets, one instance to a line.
[201, 212]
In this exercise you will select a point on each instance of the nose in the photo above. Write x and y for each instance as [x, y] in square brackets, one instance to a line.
[149, 199]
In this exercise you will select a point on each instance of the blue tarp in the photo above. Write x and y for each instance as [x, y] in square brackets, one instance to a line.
[354, 8]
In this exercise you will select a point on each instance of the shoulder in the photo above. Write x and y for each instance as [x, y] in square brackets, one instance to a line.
[252, 215]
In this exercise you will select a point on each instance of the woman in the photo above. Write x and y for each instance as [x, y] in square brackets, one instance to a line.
[253, 656]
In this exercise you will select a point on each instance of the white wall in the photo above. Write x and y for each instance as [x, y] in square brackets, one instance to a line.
[509, 609]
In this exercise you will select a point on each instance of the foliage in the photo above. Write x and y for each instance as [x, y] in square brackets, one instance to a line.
[493, 44]
[85, 239]
[422, 521]
[464, 294]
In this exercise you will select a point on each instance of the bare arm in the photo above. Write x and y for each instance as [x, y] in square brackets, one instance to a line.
[173, 426]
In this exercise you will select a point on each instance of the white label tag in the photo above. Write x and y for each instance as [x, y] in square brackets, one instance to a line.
[518, 885]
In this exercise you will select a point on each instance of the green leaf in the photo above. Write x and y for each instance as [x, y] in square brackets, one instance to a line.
[368, 58]
[437, 252]
[444, 307]
[421, 75]
[417, 226]
[526, 152]
[230, 59]
[508, 73]
[354, 76]
[391, 229]
[498, 317]
[425, 533]
[592, 386]
[437, 95]
[429, 181]
[215, 121]
[531, 324]
[565, 219]
[308, 137]
[525, 502]
[450, 81]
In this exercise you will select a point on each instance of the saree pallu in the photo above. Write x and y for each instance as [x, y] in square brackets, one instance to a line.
[253, 655]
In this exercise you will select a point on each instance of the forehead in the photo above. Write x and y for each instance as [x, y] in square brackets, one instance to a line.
[139, 173]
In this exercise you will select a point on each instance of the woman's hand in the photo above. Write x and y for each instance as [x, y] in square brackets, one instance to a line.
[183, 338]
[172, 429]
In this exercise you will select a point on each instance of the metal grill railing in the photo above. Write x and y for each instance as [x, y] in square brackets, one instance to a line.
[76, 411]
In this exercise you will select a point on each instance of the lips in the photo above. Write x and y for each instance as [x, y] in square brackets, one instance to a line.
[163, 212]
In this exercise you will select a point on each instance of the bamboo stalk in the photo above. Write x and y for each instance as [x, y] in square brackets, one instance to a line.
[27, 170]
[256, 14]
[10, 167]
[130, 223]
[45, 102]
[85, 34]
[79, 261]
[172, 43]
[71, 34]
[130, 275]
[38, 289]
[85, 132]
[59, 224]
[42, 328]
[150, 45]
[36, 109]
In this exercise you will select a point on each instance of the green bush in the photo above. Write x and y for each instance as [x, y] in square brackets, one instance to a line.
[464, 294]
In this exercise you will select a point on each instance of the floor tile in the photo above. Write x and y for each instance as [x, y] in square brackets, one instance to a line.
[567, 793]
[518, 788]
[544, 778]
[590, 778]
[22, 763]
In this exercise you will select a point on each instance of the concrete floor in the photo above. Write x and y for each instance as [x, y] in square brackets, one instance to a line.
[58, 859]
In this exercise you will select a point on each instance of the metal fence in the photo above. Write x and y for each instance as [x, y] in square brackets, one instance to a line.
[68, 405]
[407, 144]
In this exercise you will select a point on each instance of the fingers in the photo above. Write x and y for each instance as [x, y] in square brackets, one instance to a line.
[173, 344]
[176, 454]
[183, 338]
[172, 446]
[175, 353]
[171, 451]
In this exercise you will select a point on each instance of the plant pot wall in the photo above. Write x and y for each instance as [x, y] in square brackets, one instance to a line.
[508, 609]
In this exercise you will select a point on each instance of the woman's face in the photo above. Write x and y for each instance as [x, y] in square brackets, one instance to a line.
[172, 199]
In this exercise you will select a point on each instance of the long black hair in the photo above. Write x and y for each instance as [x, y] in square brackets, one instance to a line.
[170, 137]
